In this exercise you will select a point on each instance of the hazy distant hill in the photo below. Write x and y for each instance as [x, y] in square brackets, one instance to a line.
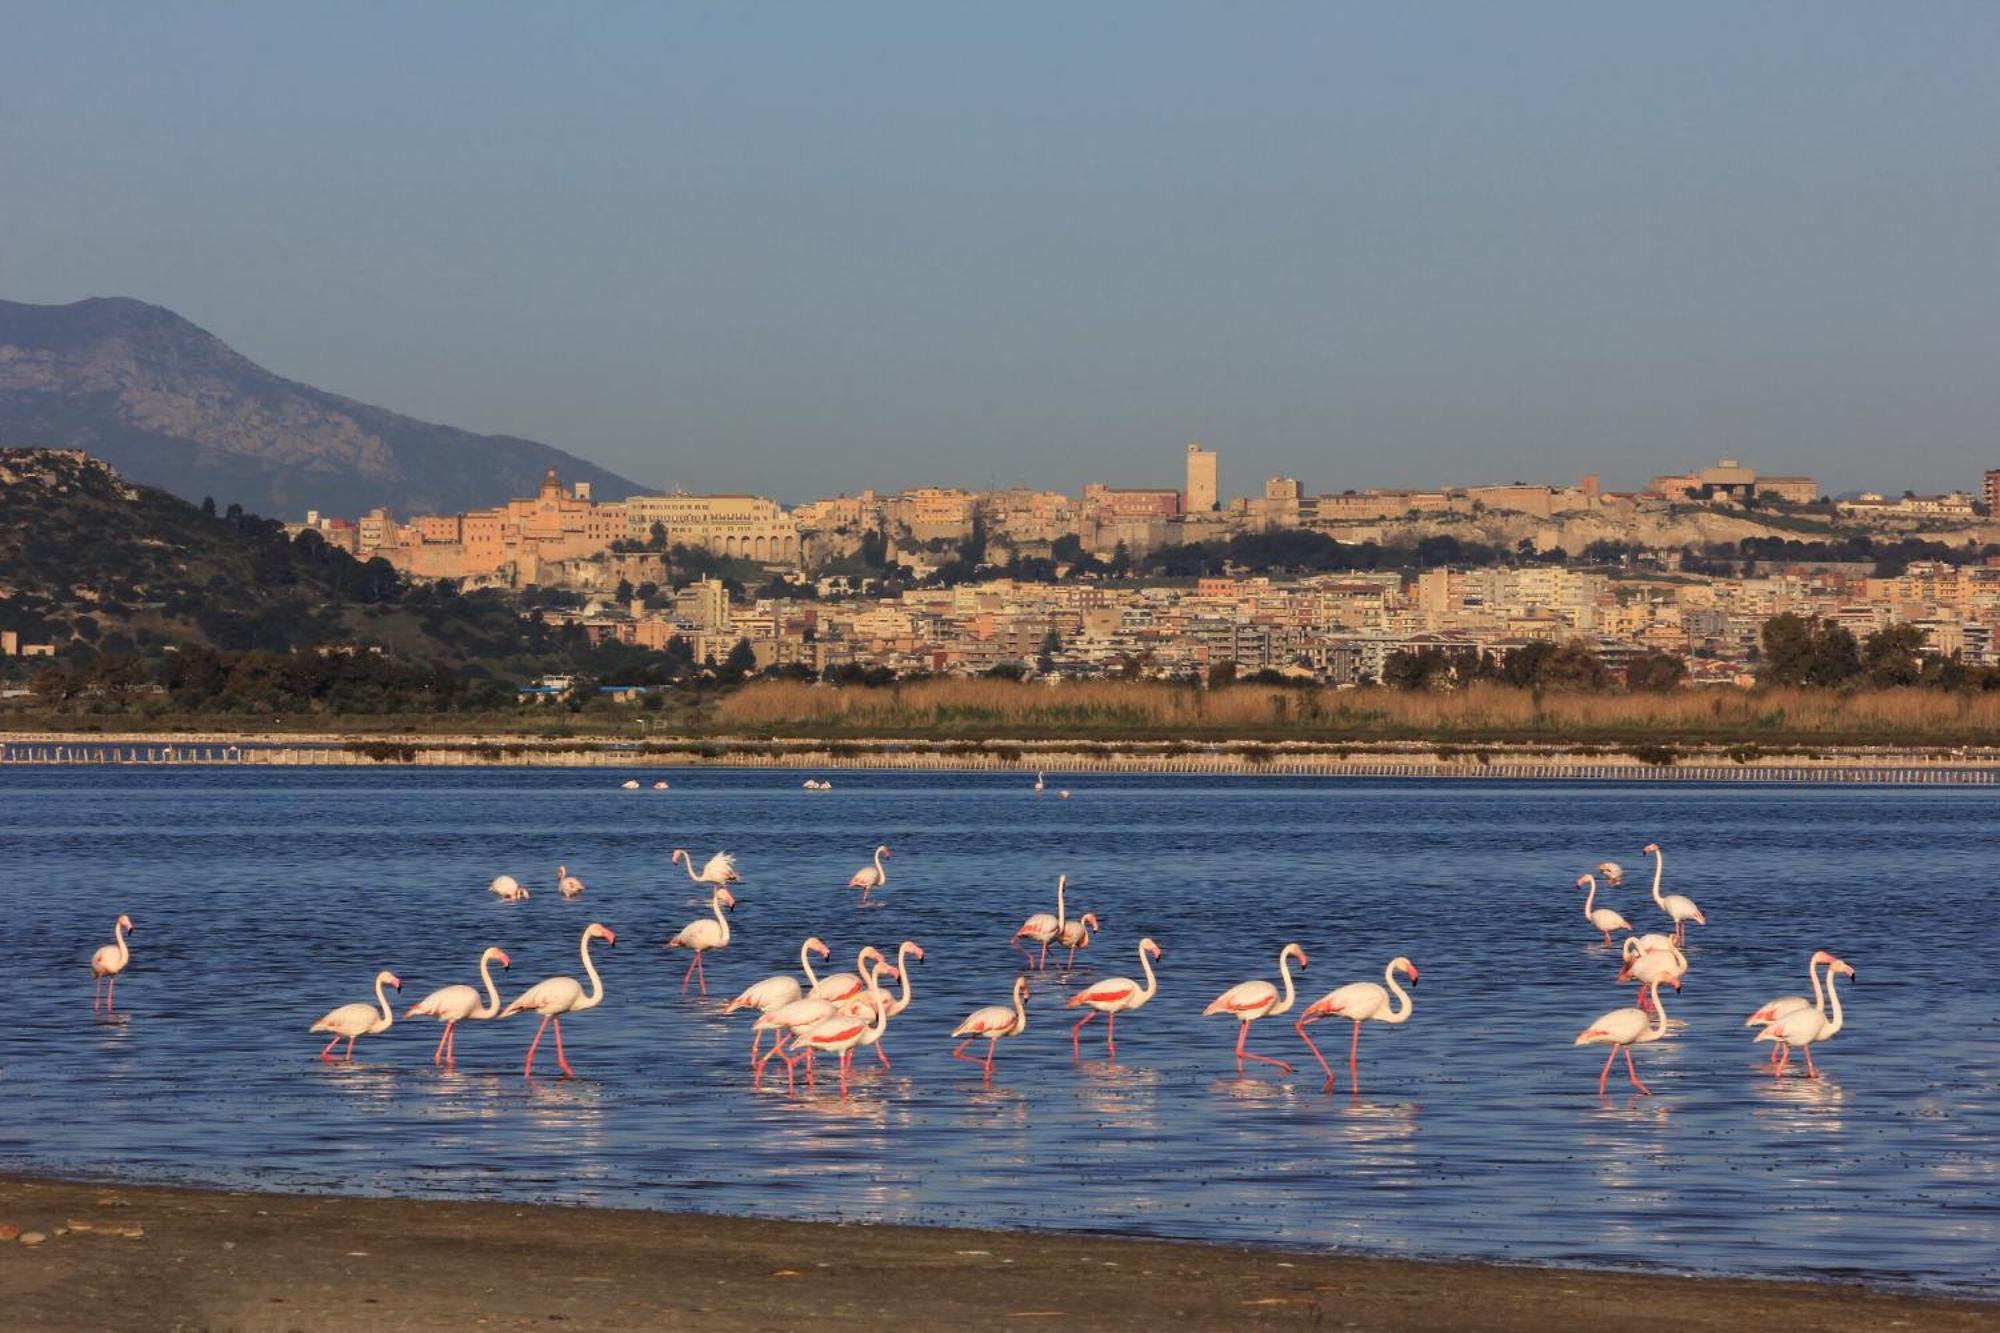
[170, 404]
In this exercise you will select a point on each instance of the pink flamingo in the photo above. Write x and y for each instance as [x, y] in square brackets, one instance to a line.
[1600, 918]
[1042, 929]
[720, 869]
[1679, 907]
[508, 888]
[1806, 1027]
[108, 962]
[778, 991]
[562, 995]
[993, 1022]
[358, 1020]
[699, 937]
[840, 1034]
[1645, 965]
[1249, 1001]
[870, 877]
[842, 986]
[1112, 997]
[1785, 1004]
[455, 1004]
[1076, 934]
[1359, 1001]
[568, 885]
[862, 1006]
[1622, 1029]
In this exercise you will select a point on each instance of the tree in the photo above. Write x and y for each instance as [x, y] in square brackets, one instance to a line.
[623, 593]
[208, 505]
[1121, 561]
[742, 660]
[657, 538]
[1045, 660]
[1406, 670]
[1571, 666]
[1655, 671]
[1798, 651]
[52, 686]
[1894, 655]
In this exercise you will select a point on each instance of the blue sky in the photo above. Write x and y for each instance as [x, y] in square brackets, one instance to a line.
[809, 248]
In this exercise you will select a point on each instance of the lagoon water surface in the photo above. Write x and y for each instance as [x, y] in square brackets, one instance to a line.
[263, 899]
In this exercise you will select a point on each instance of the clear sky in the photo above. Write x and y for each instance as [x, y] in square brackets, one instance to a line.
[806, 248]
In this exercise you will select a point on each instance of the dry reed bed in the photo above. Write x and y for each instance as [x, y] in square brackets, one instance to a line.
[1125, 707]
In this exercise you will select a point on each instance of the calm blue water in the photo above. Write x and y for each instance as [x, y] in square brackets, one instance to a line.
[263, 899]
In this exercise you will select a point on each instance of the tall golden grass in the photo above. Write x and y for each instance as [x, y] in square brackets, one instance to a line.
[952, 707]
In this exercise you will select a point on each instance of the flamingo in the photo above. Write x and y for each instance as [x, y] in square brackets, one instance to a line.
[108, 962]
[1040, 782]
[840, 1034]
[1677, 906]
[1600, 918]
[802, 1015]
[778, 991]
[839, 986]
[659, 786]
[455, 1004]
[870, 877]
[1076, 934]
[1249, 1001]
[993, 1022]
[1112, 997]
[562, 995]
[1042, 929]
[1786, 1004]
[358, 1020]
[1360, 1001]
[1614, 874]
[904, 952]
[1805, 1027]
[509, 889]
[1622, 1029]
[702, 935]
[721, 868]
[568, 885]
[1649, 965]
[630, 784]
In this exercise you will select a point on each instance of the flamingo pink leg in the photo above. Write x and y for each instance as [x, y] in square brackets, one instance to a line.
[846, 1058]
[1604, 1074]
[881, 1054]
[96, 993]
[1016, 942]
[1043, 964]
[1072, 959]
[1316, 1054]
[959, 1053]
[1634, 1073]
[560, 1058]
[1111, 1036]
[111, 994]
[1242, 1055]
[444, 1039]
[529, 1072]
[1076, 1036]
[992, 1046]
[1812, 1070]
[326, 1050]
[1354, 1060]
[348, 1054]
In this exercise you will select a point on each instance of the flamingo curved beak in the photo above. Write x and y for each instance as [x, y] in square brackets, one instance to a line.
[396, 981]
[1413, 976]
[505, 961]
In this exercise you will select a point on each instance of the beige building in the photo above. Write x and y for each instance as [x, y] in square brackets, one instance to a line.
[1731, 480]
[747, 527]
[1200, 495]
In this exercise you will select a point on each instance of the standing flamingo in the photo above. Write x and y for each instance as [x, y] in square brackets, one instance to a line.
[568, 885]
[455, 1004]
[509, 889]
[702, 935]
[1042, 929]
[1076, 934]
[1600, 918]
[1677, 906]
[1622, 1029]
[907, 950]
[1359, 1001]
[721, 868]
[778, 991]
[1112, 997]
[108, 962]
[1040, 782]
[841, 986]
[358, 1020]
[870, 877]
[1646, 966]
[1806, 1027]
[840, 1034]
[562, 995]
[1778, 1008]
[993, 1022]
[1249, 1001]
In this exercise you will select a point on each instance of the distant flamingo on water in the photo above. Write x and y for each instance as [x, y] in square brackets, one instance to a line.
[1622, 1029]
[1359, 1002]
[562, 995]
[1112, 997]
[1076, 934]
[1042, 929]
[568, 885]
[1600, 918]
[1786, 1004]
[358, 1020]
[720, 869]
[703, 935]
[108, 962]
[1041, 783]
[778, 991]
[1249, 1001]
[509, 889]
[1677, 906]
[870, 877]
[993, 1022]
[1805, 1028]
[455, 1004]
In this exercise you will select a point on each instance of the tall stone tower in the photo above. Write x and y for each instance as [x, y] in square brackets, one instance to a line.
[1200, 497]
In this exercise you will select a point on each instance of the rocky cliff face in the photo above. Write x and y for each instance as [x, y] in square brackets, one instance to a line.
[172, 405]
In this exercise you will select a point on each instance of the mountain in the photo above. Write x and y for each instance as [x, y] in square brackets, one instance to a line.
[171, 404]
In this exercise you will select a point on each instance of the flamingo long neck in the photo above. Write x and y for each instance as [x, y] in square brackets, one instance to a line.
[596, 996]
[806, 962]
[880, 1002]
[1146, 964]
[1589, 899]
[1397, 1014]
[1062, 881]
[492, 993]
[1659, 869]
[1659, 1028]
[388, 1017]
[903, 967]
[688, 861]
[1819, 992]
[881, 875]
[715, 904]
[125, 953]
[1285, 970]
[1833, 996]
[1020, 1010]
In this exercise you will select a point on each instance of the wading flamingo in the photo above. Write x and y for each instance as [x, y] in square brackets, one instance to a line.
[509, 889]
[792, 1021]
[1249, 1001]
[1112, 997]
[841, 986]
[1612, 872]
[1677, 906]
[1600, 918]
[455, 1004]
[108, 962]
[568, 885]
[1646, 966]
[776, 992]
[1360, 1001]
[870, 877]
[562, 995]
[1041, 782]
[1806, 1027]
[704, 934]
[358, 1020]
[721, 868]
[861, 1004]
[993, 1022]
[630, 784]
[840, 1034]
[1042, 929]
[1621, 1030]
[1076, 934]
[1778, 1008]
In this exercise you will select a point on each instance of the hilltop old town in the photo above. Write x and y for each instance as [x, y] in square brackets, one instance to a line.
[854, 579]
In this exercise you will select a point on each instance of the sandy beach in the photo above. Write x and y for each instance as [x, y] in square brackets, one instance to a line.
[225, 1260]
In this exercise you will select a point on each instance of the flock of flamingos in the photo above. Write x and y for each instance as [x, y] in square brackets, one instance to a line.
[835, 1016]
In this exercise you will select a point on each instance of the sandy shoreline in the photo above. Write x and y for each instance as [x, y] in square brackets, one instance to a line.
[229, 1260]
